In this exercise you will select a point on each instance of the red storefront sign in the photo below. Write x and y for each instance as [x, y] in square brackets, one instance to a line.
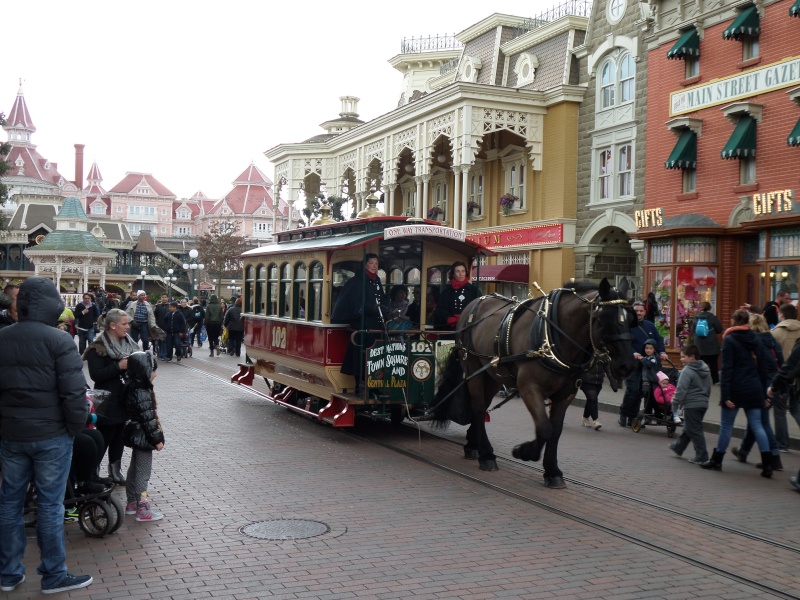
[522, 236]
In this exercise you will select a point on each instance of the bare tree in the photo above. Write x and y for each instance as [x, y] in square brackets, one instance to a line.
[5, 167]
[221, 248]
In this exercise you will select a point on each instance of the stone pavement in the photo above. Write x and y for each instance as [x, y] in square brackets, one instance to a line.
[397, 528]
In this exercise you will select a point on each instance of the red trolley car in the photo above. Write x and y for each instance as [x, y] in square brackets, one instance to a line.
[290, 288]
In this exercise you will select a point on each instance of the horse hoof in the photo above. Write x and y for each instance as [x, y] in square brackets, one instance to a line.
[471, 454]
[555, 483]
[527, 451]
[516, 452]
[489, 465]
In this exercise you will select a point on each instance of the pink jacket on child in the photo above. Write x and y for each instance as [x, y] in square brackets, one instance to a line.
[664, 396]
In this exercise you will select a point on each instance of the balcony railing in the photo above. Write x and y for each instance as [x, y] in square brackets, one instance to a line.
[450, 65]
[575, 8]
[429, 43]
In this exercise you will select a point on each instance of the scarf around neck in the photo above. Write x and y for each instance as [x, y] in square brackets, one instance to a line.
[119, 349]
[456, 285]
[736, 328]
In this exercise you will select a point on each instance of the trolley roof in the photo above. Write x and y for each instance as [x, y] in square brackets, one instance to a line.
[361, 231]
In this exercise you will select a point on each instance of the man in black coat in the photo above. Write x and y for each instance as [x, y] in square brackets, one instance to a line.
[161, 310]
[86, 315]
[641, 332]
[175, 328]
[42, 407]
[359, 306]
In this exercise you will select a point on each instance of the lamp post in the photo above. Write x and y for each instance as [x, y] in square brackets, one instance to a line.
[170, 279]
[143, 274]
[193, 267]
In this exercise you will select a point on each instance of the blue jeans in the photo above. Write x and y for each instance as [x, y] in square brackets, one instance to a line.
[749, 438]
[143, 332]
[47, 461]
[173, 341]
[85, 336]
[728, 416]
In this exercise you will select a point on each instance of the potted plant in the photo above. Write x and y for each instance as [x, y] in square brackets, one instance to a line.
[507, 202]
[434, 212]
[472, 206]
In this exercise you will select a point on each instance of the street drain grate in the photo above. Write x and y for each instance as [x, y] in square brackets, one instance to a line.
[285, 529]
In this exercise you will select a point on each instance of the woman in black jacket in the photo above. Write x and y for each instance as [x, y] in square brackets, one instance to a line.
[454, 298]
[233, 321]
[746, 369]
[107, 357]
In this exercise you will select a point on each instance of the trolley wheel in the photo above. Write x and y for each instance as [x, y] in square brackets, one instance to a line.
[97, 518]
[636, 425]
[396, 414]
[117, 505]
[670, 431]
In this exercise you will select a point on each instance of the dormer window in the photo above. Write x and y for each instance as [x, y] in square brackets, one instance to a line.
[526, 68]
[469, 69]
[47, 165]
[183, 213]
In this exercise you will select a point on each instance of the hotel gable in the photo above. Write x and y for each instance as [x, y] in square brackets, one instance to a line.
[721, 217]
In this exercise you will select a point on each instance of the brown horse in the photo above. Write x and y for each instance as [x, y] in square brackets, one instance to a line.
[540, 346]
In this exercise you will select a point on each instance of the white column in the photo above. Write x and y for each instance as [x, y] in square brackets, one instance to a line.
[426, 179]
[464, 194]
[418, 204]
[457, 202]
[388, 195]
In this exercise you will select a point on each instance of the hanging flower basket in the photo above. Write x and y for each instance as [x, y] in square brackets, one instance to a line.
[507, 202]
[434, 212]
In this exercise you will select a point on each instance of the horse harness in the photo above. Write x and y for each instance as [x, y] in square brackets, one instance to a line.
[545, 336]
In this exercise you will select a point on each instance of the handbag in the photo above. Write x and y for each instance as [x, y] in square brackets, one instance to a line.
[224, 338]
[203, 334]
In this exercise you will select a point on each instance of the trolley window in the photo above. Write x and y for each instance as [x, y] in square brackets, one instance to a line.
[315, 292]
[248, 289]
[300, 276]
[285, 295]
[342, 273]
[261, 291]
[272, 287]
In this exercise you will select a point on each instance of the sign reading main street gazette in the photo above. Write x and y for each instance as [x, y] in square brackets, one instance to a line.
[758, 81]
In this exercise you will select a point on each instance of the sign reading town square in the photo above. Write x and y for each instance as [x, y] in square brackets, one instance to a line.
[750, 83]
[424, 230]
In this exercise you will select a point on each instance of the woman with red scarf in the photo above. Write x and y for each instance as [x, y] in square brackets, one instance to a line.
[454, 298]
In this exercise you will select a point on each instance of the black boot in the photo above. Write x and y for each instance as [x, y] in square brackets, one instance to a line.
[715, 462]
[740, 456]
[766, 461]
[115, 471]
[775, 461]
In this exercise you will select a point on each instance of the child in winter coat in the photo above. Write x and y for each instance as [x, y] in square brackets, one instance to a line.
[142, 433]
[664, 395]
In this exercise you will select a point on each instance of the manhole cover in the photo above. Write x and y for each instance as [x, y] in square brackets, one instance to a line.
[285, 529]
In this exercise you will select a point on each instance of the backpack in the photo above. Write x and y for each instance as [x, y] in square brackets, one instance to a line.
[701, 329]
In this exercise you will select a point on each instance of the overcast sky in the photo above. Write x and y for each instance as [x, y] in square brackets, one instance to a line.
[193, 91]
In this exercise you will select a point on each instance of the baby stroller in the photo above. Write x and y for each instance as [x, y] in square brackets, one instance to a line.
[655, 413]
[186, 347]
[98, 512]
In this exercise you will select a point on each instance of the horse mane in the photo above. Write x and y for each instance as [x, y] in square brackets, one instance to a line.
[581, 286]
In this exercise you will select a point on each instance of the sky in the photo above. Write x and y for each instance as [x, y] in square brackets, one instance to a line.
[194, 91]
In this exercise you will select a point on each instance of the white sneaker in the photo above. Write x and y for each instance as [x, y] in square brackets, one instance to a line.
[587, 421]
[597, 425]
[676, 419]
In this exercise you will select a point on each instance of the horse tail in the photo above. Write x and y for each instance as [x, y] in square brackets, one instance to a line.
[451, 393]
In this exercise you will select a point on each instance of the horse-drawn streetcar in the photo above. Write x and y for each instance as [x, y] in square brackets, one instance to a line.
[291, 288]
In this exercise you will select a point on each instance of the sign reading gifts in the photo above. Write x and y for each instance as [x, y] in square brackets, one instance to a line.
[524, 236]
[750, 83]
[649, 217]
[773, 202]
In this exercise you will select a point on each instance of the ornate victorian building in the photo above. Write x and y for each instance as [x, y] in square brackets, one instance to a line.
[488, 113]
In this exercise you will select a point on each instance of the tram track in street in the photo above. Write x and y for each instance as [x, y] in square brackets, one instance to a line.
[443, 452]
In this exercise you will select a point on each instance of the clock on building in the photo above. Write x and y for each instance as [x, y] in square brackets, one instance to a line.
[615, 9]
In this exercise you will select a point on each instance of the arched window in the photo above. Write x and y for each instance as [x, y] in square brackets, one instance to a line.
[272, 287]
[260, 306]
[608, 84]
[285, 294]
[627, 81]
[248, 288]
[300, 276]
[315, 292]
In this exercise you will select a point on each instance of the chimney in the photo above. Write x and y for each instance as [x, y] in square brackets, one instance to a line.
[79, 165]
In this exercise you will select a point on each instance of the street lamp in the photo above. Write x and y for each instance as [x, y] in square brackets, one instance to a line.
[144, 273]
[193, 267]
[170, 279]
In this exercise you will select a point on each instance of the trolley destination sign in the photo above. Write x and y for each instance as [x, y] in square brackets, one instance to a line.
[727, 89]
[391, 233]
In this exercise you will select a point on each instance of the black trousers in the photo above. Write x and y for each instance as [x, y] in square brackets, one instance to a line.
[712, 361]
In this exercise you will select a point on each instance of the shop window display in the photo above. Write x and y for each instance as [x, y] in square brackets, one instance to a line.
[662, 288]
[692, 286]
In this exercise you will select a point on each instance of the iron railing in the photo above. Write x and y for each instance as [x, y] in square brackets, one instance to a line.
[429, 43]
[450, 65]
[575, 8]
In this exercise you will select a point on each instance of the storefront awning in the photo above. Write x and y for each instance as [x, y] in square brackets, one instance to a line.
[687, 45]
[509, 273]
[684, 155]
[794, 10]
[794, 137]
[742, 143]
[746, 24]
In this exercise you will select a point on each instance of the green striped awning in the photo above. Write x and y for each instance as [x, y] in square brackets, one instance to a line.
[794, 10]
[687, 45]
[684, 155]
[746, 24]
[742, 143]
[794, 137]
